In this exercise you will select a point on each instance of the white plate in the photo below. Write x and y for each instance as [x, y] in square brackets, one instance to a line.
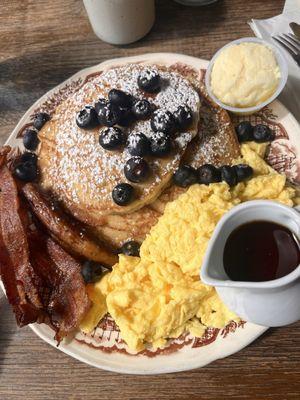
[104, 349]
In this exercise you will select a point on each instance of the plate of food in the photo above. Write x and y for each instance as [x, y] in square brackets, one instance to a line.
[111, 186]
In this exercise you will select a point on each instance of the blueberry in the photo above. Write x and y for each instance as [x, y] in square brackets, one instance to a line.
[126, 116]
[122, 194]
[109, 115]
[30, 139]
[149, 81]
[244, 131]
[30, 157]
[142, 109]
[131, 248]
[228, 174]
[92, 271]
[26, 171]
[262, 133]
[243, 172]
[208, 173]
[119, 98]
[183, 117]
[136, 169]
[160, 144]
[138, 144]
[87, 118]
[163, 121]
[185, 176]
[40, 119]
[111, 138]
[100, 103]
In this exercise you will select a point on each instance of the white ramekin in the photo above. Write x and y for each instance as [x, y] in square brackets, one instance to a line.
[249, 110]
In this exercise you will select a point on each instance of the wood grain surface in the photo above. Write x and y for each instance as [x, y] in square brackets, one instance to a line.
[41, 44]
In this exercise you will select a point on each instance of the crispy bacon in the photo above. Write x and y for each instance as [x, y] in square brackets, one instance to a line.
[72, 236]
[43, 282]
[25, 312]
[63, 291]
[4, 152]
[9, 156]
[17, 273]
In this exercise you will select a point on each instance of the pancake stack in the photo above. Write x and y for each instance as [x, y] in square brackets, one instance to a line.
[82, 175]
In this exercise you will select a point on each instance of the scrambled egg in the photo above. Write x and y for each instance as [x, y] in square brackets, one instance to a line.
[159, 295]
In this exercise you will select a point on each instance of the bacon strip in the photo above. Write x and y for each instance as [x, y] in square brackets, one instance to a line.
[17, 273]
[70, 235]
[25, 312]
[43, 282]
[63, 291]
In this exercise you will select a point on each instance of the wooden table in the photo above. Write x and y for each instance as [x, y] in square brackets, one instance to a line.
[42, 43]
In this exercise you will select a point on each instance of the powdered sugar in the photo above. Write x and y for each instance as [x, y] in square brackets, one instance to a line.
[215, 142]
[86, 173]
[148, 73]
[133, 139]
[183, 140]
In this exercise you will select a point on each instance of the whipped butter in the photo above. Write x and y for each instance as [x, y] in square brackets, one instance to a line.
[245, 75]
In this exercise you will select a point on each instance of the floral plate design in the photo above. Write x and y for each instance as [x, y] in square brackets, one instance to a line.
[104, 348]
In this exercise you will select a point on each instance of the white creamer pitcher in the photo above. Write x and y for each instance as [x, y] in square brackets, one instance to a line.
[270, 303]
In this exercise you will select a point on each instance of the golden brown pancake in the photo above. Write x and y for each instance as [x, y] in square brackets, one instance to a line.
[81, 174]
[215, 143]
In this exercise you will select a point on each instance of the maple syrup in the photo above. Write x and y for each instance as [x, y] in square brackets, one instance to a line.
[260, 251]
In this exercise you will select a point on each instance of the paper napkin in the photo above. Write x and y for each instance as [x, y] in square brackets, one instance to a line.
[265, 29]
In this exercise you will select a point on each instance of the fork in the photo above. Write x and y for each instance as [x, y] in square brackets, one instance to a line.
[291, 44]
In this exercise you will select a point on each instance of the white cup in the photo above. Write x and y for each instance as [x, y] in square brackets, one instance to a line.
[120, 21]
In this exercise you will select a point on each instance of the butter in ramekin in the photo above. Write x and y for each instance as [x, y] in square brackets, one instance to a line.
[245, 75]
